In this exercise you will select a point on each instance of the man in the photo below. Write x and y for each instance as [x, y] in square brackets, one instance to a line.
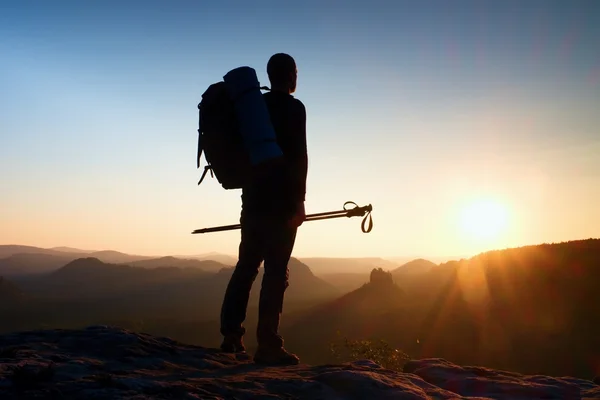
[272, 211]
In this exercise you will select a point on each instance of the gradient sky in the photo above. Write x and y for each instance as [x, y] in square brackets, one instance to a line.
[418, 107]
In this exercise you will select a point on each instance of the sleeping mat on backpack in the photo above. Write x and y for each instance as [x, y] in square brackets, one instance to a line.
[252, 115]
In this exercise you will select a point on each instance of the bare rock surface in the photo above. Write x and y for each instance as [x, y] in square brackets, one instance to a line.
[103, 362]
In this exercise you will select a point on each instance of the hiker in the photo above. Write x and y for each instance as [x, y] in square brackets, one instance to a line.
[272, 211]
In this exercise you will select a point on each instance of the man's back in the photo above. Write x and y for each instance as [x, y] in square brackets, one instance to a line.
[286, 186]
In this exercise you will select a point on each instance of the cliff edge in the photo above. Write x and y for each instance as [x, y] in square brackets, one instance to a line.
[103, 362]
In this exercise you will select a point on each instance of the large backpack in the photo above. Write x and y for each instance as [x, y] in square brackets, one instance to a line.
[234, 129]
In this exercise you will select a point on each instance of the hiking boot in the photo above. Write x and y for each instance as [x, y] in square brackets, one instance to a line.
[275, 356]
[233, 344]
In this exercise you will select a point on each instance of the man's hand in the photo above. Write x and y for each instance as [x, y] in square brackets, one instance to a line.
[299, 215]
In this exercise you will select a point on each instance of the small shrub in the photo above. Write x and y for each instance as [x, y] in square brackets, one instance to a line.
[376, 350]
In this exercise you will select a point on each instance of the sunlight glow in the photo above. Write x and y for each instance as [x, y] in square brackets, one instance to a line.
[483, 219]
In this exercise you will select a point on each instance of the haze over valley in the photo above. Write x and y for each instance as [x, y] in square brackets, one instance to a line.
[503, 309]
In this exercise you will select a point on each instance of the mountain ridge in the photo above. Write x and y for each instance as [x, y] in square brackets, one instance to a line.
[319, 265]
[505, 309]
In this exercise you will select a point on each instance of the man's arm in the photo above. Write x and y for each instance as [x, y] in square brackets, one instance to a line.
[299, 161]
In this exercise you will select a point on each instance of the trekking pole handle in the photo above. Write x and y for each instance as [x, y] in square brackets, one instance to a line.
[357, 211]
[367, 223]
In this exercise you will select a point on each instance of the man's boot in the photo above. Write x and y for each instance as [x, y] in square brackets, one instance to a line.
[233, 344]
[267, 355]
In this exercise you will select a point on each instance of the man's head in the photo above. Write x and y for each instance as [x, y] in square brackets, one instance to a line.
[282, 72]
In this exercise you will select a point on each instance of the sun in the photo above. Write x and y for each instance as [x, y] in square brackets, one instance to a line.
[484, 219]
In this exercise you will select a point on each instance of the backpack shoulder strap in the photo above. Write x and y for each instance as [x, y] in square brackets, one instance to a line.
[206, 169]
[199, 137]
[200, 150]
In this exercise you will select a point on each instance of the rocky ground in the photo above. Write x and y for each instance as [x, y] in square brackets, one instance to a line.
[110, 363]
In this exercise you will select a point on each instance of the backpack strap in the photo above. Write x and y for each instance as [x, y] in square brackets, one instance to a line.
[199, 138]
[200, 150]
[206, 169]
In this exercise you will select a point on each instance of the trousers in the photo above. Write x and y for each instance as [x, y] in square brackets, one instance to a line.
[266, 238]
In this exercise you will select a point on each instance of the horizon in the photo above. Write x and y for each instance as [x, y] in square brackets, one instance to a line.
[392, 258]
[469, 128]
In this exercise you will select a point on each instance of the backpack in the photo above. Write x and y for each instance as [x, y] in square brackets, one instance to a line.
[220, 140]
[234, 129]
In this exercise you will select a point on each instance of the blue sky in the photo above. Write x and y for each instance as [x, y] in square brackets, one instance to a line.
[419, 108]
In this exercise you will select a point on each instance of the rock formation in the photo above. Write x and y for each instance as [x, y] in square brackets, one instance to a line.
[109, 363]
[381, 278]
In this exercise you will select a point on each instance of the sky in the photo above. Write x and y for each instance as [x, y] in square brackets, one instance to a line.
[442, 115]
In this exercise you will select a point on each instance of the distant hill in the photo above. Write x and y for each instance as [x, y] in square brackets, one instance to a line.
[330, 265]
[214, 256]
[91, 278]
[27, 264]
[416, 266]
[205, 265]
[65, 249]
[435, 259]
[8, 250]
[111, 256]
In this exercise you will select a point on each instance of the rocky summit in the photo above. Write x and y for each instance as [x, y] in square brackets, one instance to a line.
[103, 362]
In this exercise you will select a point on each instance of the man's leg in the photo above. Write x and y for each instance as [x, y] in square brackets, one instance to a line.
[278, 250]
[237, 294]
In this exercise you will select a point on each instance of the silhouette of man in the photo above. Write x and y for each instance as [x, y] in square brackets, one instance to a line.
[272, 211]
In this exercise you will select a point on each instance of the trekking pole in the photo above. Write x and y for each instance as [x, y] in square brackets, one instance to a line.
[356, 211]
